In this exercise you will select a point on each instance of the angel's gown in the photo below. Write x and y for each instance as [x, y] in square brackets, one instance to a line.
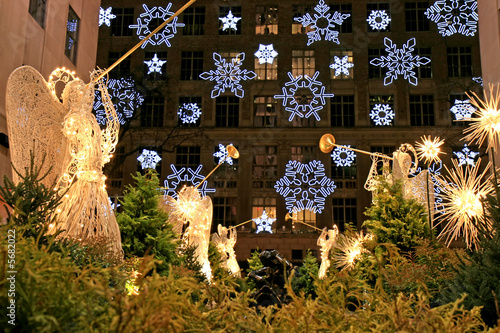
[325, 242]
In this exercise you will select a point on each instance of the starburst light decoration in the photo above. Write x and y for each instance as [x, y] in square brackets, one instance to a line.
[429, 149]
[185, 175]
[148, 159]
[264, 223]
[225, 240]
[462, 109]
[222, 154]
[125, 98]
[466, 156]
[155, 64]
[349, 248]
[341, 65]
[293, 103]
[326, 241]
[463, 214]
[323, 23]
[229, 21]
[343, 156]
[189, 113]
[454, 17]
[382, 114]
[266, 53]
[105, 16]
[228, 75]
[378, 20]
[400, 61]
[146, 24]
[305, 186]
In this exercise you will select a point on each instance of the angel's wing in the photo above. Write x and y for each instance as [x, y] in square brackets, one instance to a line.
[34, 123]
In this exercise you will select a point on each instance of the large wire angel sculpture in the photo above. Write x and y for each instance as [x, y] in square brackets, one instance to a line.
[325, 242]
[74, 146]
[225, 240]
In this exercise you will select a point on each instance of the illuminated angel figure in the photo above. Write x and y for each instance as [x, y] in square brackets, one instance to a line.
[225, 241]
[75, 146]
[325, 242]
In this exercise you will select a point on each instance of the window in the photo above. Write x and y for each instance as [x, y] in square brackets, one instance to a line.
[303, 154]
[191, 65]
[384, 100]
[72, 27]
[342, 109]
[459, 61]
[297, 254]
[37, 10]
[194, 21]
[266, 20]
[345, 177]
[266, 71]
[155, 76]
[229, 56]
[224, 210]
[223, 12]
[264, 204]
[344, 211]
[346, 26]
[152, 112]
[304, 216]
[376, 72]
[123, 68]
[303, 63]
[424, 71]
[422, 110]
[378, 6]
[415, 17]
[341, 54]
[264, 111]
[386, 150]
[187, 156]
[264, 166]
[299, 11]
[227, 111]
[124, 18]
[188, 100]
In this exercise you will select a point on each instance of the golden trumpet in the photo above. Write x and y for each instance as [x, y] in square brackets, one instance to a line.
[231, 152]
[327, 142]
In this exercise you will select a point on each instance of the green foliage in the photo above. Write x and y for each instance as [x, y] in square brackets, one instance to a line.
[254, 263]
[306, 276]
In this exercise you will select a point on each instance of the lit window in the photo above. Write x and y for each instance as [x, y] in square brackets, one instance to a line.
[264, 111]
[266, 20]
[72, 27]
[303, 63]
[194, 21]
[265, 166]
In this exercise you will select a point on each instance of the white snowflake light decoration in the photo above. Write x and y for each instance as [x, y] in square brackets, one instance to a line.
[228, 75]
[229, 21]
[155, 64]
[126, 99]
[305, 186]
[189, 113]
[323, 23]
[264, 223]
[186, 175]
[462, 109]
[153, 15]
[292, 103]
[222, 153]
[266, 53]
[454, 16]
[400, 61]
[466, 156]
[378, 20]
[342, 156]
[105, 16]
[382, 114]
[341, 65]
[478, 79]
[148, 159]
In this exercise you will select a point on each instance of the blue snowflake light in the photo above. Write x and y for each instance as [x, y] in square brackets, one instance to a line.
[378, 20]
[462, 109]
[266, 53]
[105, 16]
[228, 75]
[478, 79]
[146, 23]
[72, 25]
[466, 156]
[148, 159]
[341, 65]
[189, 113]
[112, 204]
[400, 61]
[222, 153]
[186, 175]
[382, 114]
[293, 104]
[454, 17]
[264, 223]
[154, 65]
[305, 186]
[125, 100]
[342, 156]
[323, 23]
[229, 21]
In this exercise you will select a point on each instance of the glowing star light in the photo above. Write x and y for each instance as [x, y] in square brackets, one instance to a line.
[378, 20]
[341, 65]
[150, 19]
[228, 75]
[229, 21]
[382, 114]
[462, 109]
[454, 17]
[222, 153]
[343, 156]
[400, 61]
[266, 53]
[466, 156]
[264, 223]
[429, 149]
[305, 186]
[105, 16]
[189, 113]
[294, 102]
[185, 175]
[148, 159]
[154, 65]
[349, 250]
[323, 23]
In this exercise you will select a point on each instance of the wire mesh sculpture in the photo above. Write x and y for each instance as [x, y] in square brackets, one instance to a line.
[225, 240]
[325, 242]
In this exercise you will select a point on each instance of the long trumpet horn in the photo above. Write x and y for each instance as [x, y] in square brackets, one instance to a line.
[327, 142]
[231, 152]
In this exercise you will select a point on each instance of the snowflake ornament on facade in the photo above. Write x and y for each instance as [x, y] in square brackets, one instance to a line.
[148, 159]
[155, 64]
[185, 175]
[189, 113]
[323, 23]
[105, 16]
[478, 79]
[382, 114]
[305, 186]
[462, 109]
[466, 156]
[341, 65]
[343, 156]
[228, 75]
[378, 20]
[400, 61]
[294, 103]
[222, 154]
[266, 53]
[454, 17]
[150, 19]
[229, 21]
[264, 223]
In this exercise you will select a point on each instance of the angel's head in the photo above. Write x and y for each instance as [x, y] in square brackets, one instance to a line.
[78, 95]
